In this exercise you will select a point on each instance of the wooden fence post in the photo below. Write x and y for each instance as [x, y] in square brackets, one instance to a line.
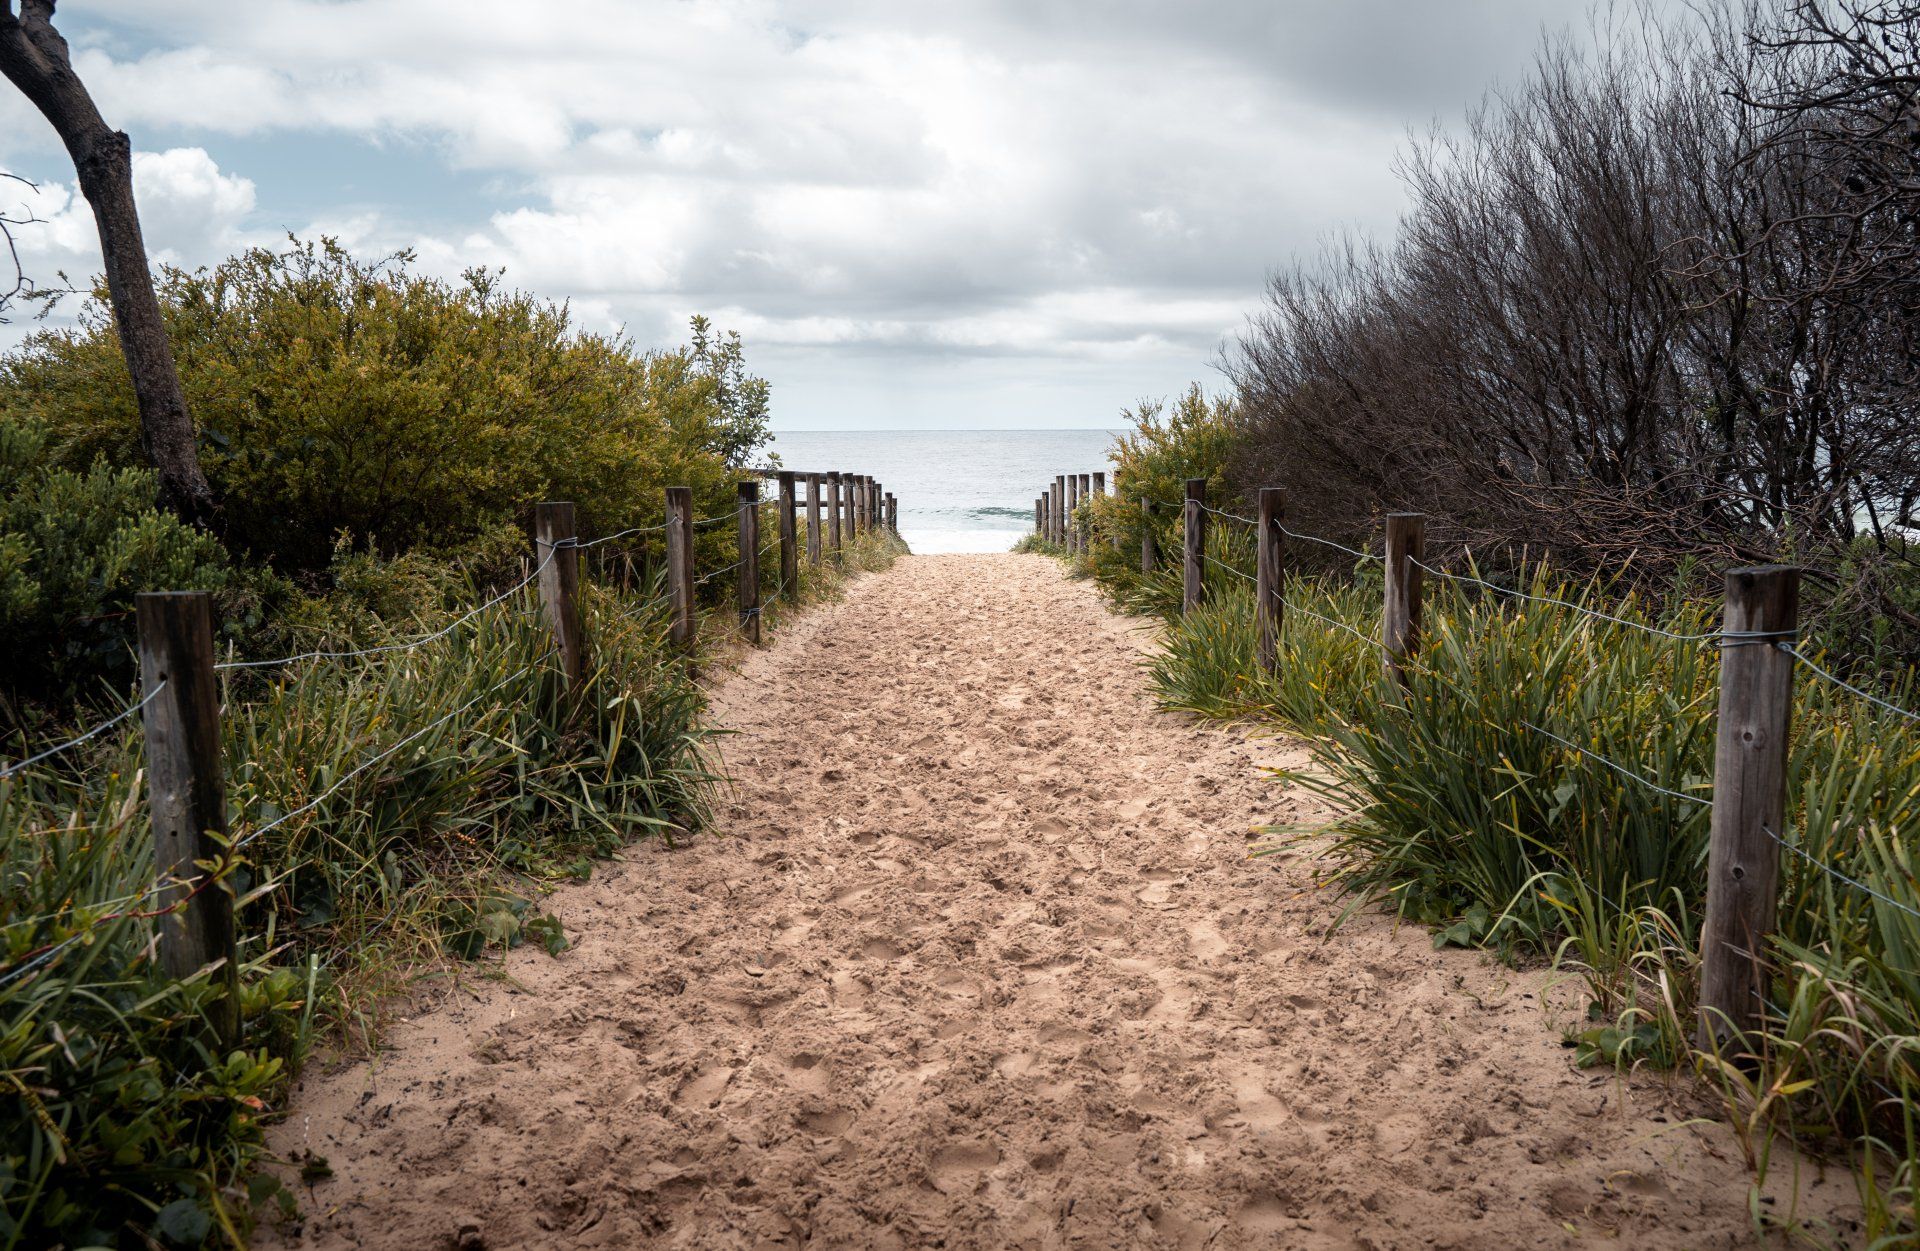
[748, 593]
[1749, 800]
[186, 793]
[1100, 491]
[1271, 582]
[813, 519]
[1039, 514]
[1058, 534]
[1073, 507]
[833, 514]
[849, 487]
[559, 560]
[789, 538]
[1194, 522]
[1400, 622]
[893, 514]
[680, 564]
[1149, 546]
[1086, 522]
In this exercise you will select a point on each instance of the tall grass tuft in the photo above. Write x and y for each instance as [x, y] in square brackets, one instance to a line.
[489, 782]
[1541, 786]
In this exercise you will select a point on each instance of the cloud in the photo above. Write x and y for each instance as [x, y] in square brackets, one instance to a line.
[1025, 179]
[191, 213]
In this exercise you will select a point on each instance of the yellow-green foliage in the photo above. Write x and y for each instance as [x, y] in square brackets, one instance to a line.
[74, 548]
[1152, 462]
[338, 396]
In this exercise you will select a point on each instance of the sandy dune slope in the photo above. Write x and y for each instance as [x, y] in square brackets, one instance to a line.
[976, 958]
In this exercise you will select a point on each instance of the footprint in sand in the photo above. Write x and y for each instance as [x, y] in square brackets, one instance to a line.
[704, 1089]
[1013, 1064]
[879, 949]
[1159, 887]
[1205, 941]
[828, 1124]
[805, 1072]
[958, 1165]
[851, 896]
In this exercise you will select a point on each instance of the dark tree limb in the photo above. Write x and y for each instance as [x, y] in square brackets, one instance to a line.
[33, 56]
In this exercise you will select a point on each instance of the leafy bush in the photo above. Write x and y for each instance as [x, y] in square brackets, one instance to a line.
[335, 396]
[75, 546]
[1166, 446]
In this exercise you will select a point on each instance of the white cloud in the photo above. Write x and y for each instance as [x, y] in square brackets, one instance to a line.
[190, 214]
[1021, 178]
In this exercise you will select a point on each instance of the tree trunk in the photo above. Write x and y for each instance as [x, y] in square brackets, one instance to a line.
[34, 58]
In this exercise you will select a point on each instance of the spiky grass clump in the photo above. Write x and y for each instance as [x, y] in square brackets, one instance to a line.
[1476, 801]
[489, 781]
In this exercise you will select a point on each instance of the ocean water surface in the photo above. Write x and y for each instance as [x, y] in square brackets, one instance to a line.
[959, 490]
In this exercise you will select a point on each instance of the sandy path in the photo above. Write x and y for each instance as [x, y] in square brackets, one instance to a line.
[979, 961]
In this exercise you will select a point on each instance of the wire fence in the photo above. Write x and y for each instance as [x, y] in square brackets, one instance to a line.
[134, 907]
[1722, 639]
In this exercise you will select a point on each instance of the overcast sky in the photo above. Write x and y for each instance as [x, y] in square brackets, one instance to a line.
[1009, 213]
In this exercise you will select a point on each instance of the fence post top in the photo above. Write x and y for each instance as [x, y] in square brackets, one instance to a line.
[749, 490]
[1406, 516]
[171, 597]
[1196, 488]
[1746, 575]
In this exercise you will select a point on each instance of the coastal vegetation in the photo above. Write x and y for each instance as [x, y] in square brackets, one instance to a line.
[408, 785]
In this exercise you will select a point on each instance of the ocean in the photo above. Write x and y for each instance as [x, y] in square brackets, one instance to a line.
[959, 490]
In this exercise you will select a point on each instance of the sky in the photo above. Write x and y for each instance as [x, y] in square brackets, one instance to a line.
[976, 213]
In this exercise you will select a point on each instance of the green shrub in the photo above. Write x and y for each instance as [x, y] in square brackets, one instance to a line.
[1166, 446]
[75, 546]
[334, 396]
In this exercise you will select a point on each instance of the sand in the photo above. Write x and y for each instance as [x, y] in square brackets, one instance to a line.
[976, 958]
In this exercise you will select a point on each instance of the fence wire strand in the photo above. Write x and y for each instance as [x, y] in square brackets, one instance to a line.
[92, 732]
[1869, 696]
[1830, 871]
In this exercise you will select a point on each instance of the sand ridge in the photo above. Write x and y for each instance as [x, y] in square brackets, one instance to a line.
[976, 958]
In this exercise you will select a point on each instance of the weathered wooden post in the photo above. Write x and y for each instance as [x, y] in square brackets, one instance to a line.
[1084, 524]
[1400, 622]
[187, 794]
[680, 564]
[1749, 800]
[1039, 514]
[850, 487]
[748, 593]
[1099, 492]
[893, 514]
[1072, 520]
[833, 514]
[813, 519]
[1149, 545]
[1059, 535]
[789, 538]
[559, 561]
[1271, 576]
[1194, 522]
[876, 504]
